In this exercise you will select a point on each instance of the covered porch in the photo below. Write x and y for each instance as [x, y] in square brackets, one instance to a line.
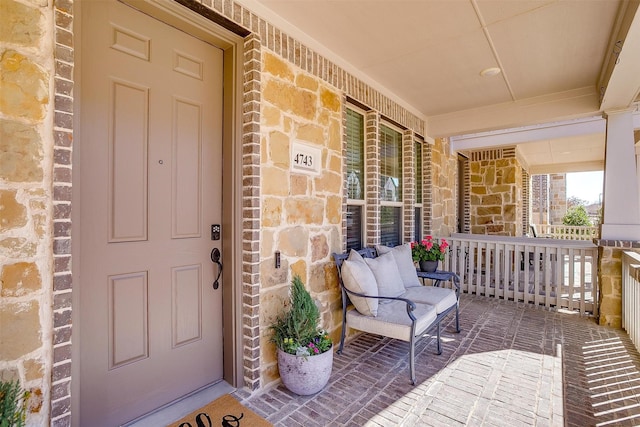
[512, 364]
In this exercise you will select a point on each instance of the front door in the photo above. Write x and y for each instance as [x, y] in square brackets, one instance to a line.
[150, 185]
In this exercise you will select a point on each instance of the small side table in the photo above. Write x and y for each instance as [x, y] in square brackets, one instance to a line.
[441, 276]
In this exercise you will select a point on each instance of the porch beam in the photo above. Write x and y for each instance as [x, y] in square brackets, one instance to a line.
[512, 136]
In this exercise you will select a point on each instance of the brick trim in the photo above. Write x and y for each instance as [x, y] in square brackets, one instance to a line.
[466, 196]
[251, 212]
[526, 202]
[623, 244]
[60, 393]
[427, 189]
[344, 172]
[372, 165]
[493, 154]
[408, 186]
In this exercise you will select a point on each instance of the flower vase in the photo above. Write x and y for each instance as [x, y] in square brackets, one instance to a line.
[429, 266]
[305, 375]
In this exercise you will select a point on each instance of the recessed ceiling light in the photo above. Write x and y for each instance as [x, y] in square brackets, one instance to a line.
[487, 72]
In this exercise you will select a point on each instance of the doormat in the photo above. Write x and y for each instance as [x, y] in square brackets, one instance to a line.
[225, 411]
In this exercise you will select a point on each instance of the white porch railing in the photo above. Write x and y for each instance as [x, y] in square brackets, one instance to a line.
[553, 273]
[631, 296]
[567, 232]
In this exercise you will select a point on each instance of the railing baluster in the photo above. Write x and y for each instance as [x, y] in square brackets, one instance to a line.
[631, 296]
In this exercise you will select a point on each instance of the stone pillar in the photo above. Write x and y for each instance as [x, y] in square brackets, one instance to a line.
[621, 219]
[610, 279]
[496, 193]
[557, 198]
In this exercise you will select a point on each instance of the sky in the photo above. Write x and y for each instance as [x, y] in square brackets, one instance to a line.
[585, 185]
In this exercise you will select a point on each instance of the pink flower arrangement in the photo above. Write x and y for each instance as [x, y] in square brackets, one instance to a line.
[429, 250]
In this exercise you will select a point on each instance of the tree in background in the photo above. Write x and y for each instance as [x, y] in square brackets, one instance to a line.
[577, 215]
[574, 201]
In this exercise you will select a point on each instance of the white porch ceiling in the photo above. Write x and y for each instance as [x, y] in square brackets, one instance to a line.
[560, 60]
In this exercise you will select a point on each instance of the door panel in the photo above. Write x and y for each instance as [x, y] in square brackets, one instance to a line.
[150, 178]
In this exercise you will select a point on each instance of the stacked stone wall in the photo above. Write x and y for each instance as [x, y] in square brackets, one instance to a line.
[557, 198]
[26, 191]
[442, 195]
[301, 215]
[496, 196]
[610, 279]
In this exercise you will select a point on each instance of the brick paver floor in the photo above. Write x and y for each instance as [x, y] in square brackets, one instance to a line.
[513, 364]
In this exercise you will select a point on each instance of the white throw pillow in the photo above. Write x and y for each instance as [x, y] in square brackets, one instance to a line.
[404, 261]
[387, 276]
[358, 277]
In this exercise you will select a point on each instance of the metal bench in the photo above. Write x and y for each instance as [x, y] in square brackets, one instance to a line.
[406, 317]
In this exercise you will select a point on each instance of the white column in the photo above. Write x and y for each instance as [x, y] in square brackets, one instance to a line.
[621, 202]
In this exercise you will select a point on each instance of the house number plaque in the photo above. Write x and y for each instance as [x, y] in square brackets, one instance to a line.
[305, 159]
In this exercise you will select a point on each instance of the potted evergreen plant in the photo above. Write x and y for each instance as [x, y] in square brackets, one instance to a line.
[13, 404]
[305, 352]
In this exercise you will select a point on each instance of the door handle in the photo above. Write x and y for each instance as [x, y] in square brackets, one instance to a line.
[215, 258]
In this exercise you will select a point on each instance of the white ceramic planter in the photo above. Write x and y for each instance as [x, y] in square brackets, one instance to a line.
[305, 375]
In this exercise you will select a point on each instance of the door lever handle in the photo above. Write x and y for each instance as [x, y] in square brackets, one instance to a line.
[215, 258]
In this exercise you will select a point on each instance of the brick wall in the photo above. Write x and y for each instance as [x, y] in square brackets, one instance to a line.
[539, 199]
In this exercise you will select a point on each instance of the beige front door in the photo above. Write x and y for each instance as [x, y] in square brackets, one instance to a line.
[150, 185]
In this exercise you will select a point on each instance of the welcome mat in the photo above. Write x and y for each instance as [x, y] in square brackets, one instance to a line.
[225, 411]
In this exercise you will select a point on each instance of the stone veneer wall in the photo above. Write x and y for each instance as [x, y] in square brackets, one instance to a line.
[443, 189]
[610, 279]
[557, 198]
[301, 215]
[496, 192]
[36, 66]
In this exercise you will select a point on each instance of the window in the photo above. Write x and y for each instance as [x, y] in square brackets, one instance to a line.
[388, 179]
[390, 186]
[355, 179]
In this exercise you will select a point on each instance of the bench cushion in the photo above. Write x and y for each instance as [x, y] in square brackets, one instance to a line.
[441, 298]
[392, 320]
[404, 261]
[358, 277]
[387, 275]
